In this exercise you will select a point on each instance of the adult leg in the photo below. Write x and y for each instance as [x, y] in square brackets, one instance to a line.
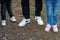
[38, 6]
[9, 9]
[3, 12]
[26, 12]
[3, 9]
[25, 8]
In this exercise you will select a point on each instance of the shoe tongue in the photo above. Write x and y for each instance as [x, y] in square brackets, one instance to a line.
[4, 21]
[55, 26]
[13, 17]
[24, 20]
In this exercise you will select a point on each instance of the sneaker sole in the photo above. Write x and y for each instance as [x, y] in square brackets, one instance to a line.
[39, 24]
[13, 21]
[24, 25]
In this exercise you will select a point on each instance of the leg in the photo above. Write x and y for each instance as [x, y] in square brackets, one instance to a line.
[38, 6]
[56, 10]
[25, 8]
[55, 15]
[49, 11]
[3, 12]
[26, 12]
[9, 8]
[3, 9]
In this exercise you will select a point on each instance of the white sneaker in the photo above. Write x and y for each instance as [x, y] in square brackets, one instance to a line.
[55, 28]
[48, 27]
[39, 20]
[13, 19]
[3, 23]
[24, 22]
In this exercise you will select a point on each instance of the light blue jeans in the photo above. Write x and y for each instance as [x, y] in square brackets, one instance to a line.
[52, 9]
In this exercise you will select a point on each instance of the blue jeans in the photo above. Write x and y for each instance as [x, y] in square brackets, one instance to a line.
[52, 9]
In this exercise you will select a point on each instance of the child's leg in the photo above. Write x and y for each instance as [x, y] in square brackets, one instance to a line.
[38, 6]
[56, 10]
[55, 16]
[3, 9]
[9, 8]
[49, 11]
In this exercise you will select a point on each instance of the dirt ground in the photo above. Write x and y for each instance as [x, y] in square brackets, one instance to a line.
[31, 31]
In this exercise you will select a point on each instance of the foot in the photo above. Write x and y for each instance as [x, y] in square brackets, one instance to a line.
[24, 22]
[48, 27]
[55, 28]
[39, 20]
[13, 19]
[3, 23]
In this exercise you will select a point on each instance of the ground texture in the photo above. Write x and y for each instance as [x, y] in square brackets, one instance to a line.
[31, 31]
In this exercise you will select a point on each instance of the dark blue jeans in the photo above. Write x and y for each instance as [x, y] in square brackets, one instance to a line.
[52, 9]
[6, 4]
[26, 8]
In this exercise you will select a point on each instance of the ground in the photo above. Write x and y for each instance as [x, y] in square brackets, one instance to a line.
[31, 31]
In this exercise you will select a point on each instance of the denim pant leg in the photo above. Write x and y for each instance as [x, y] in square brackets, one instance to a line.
[49, 11]
[56, 10]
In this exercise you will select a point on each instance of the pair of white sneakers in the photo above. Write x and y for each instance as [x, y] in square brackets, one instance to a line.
[13, 19]
[38, 19]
